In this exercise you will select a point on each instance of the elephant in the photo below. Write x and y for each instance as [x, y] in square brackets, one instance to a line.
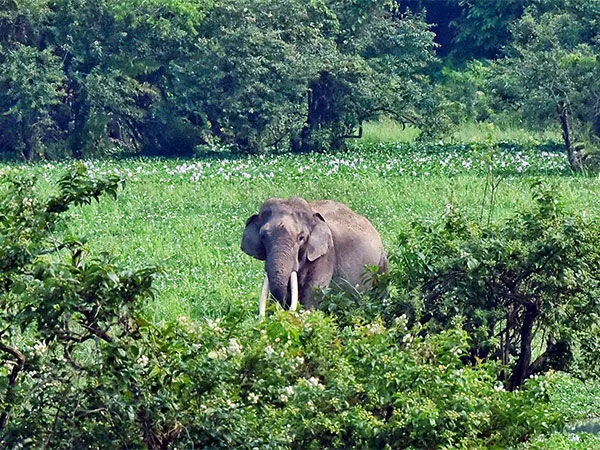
[306, 245]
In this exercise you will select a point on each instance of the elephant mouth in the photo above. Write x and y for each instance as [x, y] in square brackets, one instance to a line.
[293, 284]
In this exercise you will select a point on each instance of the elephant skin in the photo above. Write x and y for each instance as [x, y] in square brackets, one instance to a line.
[320, 240]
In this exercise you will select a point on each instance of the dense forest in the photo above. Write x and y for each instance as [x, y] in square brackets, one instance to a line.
[83, 79]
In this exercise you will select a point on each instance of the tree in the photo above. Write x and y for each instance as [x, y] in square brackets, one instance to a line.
[484, 27]
[271, 72]
[31, 83]
[469, 29]
[379, 67]
[554, 66]
[254, 63]
[530, 281]
[63, 313]
[30, 79]
[441, 15]
[164, 77]
[115, 58]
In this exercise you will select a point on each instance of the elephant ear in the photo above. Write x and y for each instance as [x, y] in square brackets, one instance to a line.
[320, 240]
[251, 243]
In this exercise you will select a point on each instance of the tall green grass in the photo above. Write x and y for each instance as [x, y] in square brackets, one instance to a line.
[477, 132]
[387, 130]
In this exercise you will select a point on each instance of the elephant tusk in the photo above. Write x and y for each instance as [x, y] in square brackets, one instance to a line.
[294, 289]
[262, 303]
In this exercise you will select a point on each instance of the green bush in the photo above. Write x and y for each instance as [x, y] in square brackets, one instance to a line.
[294, 381]
[527, 287]
[64, 315]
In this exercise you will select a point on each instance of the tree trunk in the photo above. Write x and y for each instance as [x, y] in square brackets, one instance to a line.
[521, 370]
[564, 121]
[29, 148]
[321, 111]
[19, 363]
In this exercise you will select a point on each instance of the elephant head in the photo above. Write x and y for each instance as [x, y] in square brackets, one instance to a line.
[291, 238]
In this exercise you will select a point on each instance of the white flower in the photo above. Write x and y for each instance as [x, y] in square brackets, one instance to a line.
[214, 325]
[40, 348]
[289, 390]
[234, 347]
[314, 382]
[184, 321]
[375, 328]
[143, 360]
[253, 398]
[269, 350]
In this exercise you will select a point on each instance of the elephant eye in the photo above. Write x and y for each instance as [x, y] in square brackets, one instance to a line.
[301, 237]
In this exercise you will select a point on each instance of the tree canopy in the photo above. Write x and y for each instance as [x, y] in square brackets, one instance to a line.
[178, 77]
[83, 78]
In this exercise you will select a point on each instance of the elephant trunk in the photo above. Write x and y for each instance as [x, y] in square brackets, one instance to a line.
[279, 271]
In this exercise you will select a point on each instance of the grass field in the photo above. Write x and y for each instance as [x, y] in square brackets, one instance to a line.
[187, 216]
[387, 130]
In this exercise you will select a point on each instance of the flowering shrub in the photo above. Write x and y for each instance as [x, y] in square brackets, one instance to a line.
[299, 381]
[63, 314]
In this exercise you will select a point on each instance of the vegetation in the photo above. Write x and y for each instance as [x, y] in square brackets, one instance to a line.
[170, 78]
[146, 376]
[553, 69]
[81, 79]
[466, 131]
[534, 275]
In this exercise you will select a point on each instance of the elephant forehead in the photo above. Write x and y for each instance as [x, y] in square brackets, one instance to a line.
[281, 224]
[286, 205]
[287, 213]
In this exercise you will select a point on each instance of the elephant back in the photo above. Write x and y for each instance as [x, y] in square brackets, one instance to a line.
[356, 242]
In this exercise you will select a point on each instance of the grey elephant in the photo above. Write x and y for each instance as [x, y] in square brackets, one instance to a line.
[306, 245]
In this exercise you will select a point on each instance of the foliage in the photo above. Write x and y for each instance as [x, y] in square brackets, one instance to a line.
[31, 83]
[290, 382]
[83, 367]
[483, 29]
[552, 69]
[63, 314]
[471, 94]
[525, 286]
[115, 58]
[164, 77]
[309, 72]
[255, 61]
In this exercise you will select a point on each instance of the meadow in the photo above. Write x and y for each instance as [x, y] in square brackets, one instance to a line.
[187, 216]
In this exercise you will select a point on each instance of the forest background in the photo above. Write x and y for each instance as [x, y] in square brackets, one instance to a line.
[181, 77]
